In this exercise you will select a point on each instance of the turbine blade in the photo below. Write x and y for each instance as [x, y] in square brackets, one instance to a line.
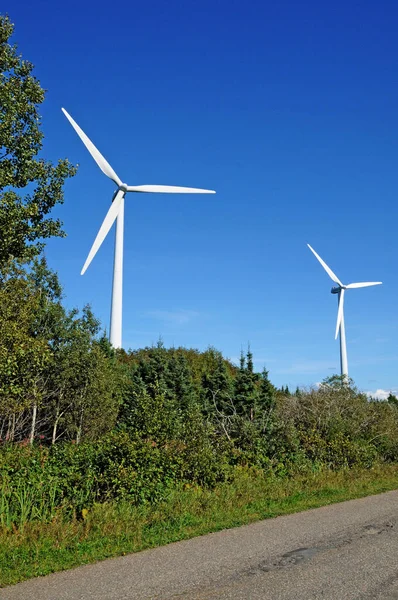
[340, 312]
[105, 227]
[168, 189]
[364, 284]
[96, 154]
[328, 270]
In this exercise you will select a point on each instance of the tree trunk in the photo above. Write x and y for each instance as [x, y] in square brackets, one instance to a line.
[12, 435]
[79, 431]
[33, 427]
[54, 436]
[9, 429]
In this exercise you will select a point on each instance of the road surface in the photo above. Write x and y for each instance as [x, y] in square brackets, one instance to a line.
[346, 551]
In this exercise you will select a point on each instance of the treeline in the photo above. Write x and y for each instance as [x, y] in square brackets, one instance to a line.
[136, 425]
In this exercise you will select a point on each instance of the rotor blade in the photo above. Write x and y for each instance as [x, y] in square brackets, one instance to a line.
[364, 284]
[327, 269]
[339, 312]
[105, 227]
[96, 154]
[168, 189]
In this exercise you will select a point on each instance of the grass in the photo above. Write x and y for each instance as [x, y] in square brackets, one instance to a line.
[109, 530]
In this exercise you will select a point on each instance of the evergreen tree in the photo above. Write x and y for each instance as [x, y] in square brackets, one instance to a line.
[216, 384]
[266, 395]
[179, 381]
[245, 392]
[392, 399]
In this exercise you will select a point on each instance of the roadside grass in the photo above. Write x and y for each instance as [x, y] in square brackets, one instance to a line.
[108, 530]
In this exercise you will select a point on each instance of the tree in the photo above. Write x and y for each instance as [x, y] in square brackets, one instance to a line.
[23, 356]
[24, 220]
[84, 369]
[245, 386]
[266, 394]
[46, 326]
[392, 399]
[179, 380]
[216, 383]
[336, 382]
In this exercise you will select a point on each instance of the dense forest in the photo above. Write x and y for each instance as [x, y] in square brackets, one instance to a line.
[81, 422]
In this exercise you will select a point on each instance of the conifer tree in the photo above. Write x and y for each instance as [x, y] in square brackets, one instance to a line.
[216, 384]
[245, 387]
[267, 392]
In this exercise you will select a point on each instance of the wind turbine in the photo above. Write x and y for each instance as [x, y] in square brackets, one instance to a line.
[340, 312]
[116, 212]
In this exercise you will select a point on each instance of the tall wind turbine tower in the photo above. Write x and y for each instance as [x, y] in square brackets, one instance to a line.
[339, 290]
[116, 212]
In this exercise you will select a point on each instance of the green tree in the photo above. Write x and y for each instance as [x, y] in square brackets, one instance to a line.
[336, 382]
[266, 393]
[24, 220]
[392, 399]
[245, 393]
[46, 327]
[85, 380]
[179, 380]
[23, 356]
[216, 384]
[90, 383]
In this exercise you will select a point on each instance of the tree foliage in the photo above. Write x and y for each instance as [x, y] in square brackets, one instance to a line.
[58, 379]
[30, 186]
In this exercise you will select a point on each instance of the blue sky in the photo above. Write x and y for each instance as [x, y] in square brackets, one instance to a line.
[289, 111]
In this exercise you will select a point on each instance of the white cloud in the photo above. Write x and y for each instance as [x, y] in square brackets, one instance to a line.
[381, 394]
[177, 317]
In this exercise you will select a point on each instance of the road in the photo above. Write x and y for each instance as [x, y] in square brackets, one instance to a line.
[347, 551]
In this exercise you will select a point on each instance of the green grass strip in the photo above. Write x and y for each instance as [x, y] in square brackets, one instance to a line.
[110, 530]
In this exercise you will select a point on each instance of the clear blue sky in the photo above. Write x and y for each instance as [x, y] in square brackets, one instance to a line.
[289, 110]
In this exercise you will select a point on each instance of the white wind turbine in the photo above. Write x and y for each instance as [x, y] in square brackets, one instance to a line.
[340, 313]
[116, 212]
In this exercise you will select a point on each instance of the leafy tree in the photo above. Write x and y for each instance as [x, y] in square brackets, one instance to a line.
[24, 220]
[46, 327]
[336, 382]
[84, 364]
[23, 356]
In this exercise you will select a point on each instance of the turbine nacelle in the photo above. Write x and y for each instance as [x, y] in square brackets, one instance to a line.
[335, 290]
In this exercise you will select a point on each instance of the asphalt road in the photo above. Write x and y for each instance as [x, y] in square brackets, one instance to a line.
[345, 551]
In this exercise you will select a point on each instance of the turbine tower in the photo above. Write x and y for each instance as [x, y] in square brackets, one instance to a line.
[116, 212]
[339, 290]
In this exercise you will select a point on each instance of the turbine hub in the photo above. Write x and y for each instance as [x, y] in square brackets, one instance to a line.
[123, 187]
